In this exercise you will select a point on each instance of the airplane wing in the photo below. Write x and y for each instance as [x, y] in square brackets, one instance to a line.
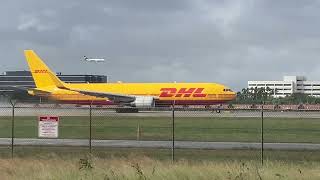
[120, 98]
[36, 91]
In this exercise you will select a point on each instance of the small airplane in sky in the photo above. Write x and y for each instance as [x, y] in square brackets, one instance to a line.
[92, 60]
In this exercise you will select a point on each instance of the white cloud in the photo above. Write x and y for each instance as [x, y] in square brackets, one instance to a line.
[34, 22]
[224, 14]
[228, 42]
[84, 33]
[27, 23]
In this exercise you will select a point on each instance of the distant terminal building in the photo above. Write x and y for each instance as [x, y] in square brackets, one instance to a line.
[24, 79]
[289, 85]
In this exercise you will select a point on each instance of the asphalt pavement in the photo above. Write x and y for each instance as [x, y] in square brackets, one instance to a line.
[38, 111]
[158, 144]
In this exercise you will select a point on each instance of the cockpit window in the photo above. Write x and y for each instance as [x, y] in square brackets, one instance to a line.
[227, 90]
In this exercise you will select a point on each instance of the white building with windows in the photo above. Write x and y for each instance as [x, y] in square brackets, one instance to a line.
[289, 85]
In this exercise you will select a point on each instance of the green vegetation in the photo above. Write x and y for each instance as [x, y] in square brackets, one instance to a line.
[160, 154]
[262, 95]
[243, 129]
[254, 95]
[142, 168]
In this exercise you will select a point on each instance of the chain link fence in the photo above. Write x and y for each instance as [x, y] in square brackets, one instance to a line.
[197, 133]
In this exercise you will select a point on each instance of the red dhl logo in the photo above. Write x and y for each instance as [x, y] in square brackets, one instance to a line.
[40, 71]
[182, 92]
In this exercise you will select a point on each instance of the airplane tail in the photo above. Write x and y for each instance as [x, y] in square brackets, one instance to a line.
[42, 75]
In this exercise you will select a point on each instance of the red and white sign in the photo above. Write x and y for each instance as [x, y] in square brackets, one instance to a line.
[48, 126]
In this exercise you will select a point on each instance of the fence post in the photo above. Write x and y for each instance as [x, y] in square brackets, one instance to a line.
[173, 137]
[90, 128]
[262, 135]
[13, 105]
[138, 130]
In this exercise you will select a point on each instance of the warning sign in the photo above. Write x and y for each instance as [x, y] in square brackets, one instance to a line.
[48, 126]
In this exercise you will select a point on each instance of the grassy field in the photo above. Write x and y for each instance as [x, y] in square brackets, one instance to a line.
[134, 163]
[187, 128]
[124, 163]
[142, 168]
[161, 154]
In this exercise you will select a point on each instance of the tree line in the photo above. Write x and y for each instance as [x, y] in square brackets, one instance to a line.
[265, 95]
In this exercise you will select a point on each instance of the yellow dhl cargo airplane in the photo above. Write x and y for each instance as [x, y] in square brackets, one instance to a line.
[128, 94]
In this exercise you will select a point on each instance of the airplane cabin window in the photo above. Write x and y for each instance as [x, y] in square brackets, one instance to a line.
[227, 90]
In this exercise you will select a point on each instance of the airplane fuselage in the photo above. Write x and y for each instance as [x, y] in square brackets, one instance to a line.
[164, 93]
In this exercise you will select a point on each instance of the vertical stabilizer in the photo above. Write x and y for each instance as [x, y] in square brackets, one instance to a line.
[42, 75]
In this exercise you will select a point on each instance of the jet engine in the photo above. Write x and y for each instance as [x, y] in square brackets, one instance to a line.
[143, 101]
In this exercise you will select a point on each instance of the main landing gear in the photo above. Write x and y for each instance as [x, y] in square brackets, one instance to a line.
[127, 110]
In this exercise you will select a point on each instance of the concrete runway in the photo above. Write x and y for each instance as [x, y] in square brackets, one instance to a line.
[36, 111]
[158, 144]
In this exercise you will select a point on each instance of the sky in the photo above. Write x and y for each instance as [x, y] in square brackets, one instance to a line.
[227, 42]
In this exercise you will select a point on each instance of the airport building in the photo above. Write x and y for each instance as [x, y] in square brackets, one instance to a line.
[289, 85]
[24, 79]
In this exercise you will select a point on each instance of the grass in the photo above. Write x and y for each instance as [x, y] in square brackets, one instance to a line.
[134, 163]
[161, 154]
[142, 168]
[241, 129]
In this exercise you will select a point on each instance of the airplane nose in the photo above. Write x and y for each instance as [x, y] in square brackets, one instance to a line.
[233, 95]
[229, 95]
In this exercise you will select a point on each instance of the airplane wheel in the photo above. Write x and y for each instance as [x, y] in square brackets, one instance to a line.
[127, 110]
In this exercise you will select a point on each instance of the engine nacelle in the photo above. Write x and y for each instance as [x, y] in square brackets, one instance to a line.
[143, 101]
